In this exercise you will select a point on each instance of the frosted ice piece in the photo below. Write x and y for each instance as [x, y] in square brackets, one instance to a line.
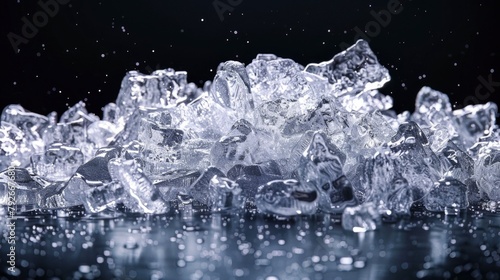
[448, 194]
[196, 153]
[58, 163]
[144, 196]
[236, 147]
[361, 218]
[286, 198]
[367, 102]
[226, 194]
[231, 88]
[475, 121]
[201, 191]
[250, 177]
[487, 170]
[15, 149]
[31, 124]
[101, 133]
[352, 71]
[104, 197]
[23, 185]
[176, 182]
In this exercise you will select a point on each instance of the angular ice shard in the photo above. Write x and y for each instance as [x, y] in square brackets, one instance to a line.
[58, 162]
[475, 121]
[419, 164]
[95, 173]
[23, 185]
[449, 195]
[286, 198]
[250, 177]
[487, 170]
[459, 165]
[58, 195]
[321, 168]
[352, 71]
[176, 182]
[231, 88]
[200, 190]
[15, 149]
[144, 196]
[226, 194]
[244, 144]
[361, 218]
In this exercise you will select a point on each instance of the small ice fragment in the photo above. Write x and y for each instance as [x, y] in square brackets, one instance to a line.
[361, 218]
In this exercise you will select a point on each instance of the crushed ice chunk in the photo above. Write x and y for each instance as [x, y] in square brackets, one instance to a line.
[58, 163]
[286, 198]
[352, 71]
[25, 188]
[144, 196]
[487, 170]
[448, 193]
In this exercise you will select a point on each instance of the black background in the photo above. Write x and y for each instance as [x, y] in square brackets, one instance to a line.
[83, 52]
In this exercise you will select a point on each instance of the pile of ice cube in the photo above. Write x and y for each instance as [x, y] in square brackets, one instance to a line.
[286, 139]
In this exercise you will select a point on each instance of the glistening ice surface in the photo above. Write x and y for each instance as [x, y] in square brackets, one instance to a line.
[273, 135]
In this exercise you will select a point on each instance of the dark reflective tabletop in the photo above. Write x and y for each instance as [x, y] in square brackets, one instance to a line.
[253, 246]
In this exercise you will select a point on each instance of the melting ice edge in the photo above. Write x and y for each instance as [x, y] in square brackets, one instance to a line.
[286, 139]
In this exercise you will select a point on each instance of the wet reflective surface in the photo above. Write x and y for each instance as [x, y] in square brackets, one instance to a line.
[253, 246]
